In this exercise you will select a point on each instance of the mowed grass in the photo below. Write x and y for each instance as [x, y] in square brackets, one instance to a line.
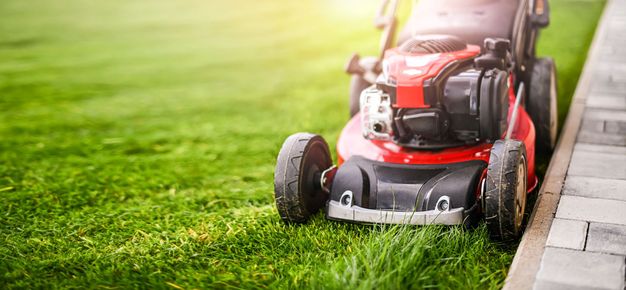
[138, 141]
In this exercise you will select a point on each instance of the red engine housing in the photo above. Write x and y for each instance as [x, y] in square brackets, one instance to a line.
[410, 72]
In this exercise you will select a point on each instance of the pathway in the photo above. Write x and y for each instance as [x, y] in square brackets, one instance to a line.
[577, 236]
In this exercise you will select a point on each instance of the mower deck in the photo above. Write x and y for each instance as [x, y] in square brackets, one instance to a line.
[368, 191]
[353, 213]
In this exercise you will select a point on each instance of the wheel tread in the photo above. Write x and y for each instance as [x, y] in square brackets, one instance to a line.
[500, 192]
[290, 202]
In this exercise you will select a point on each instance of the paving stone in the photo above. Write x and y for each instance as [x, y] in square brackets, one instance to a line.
[571, 269]
[620, 150]
[605, 127]
[606, 238]
[613, 57]
[616, 36]
[618, 72]
[617, 24]
[607, 49]
[592, 125]
[607, 115]
[592, 209]
[606, 101]
[594, 187]
[607, 72]
[606, 66]
[596, 164]
[607, 83]
[618, 77]
[615, 96]
[569, 234]
[589, 136]
[613, 127]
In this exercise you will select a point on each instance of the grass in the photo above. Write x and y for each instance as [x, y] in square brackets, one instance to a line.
[138, 140]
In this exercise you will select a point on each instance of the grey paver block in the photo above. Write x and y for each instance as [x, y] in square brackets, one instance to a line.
[569, 234]
[598, 164]
[606, 86]
[611, 79]
[607, 102]
[600, 148]
[595, 187]
[592, 209]
[601, 138]
[604, 69]
[607, 115]
[608, 66]
[613, 127]
[616, 57]
[618, 77]
[616, 38]
[571, 269]
[592, 125]
[607, 238]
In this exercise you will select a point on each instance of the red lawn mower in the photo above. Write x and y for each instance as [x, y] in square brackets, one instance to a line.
[442, 129]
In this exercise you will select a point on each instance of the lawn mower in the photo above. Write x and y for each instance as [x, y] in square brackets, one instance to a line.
[442, 129]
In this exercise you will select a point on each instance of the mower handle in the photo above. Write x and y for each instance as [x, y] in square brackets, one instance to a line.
[540, 16]
[387, 21]
[382, 20]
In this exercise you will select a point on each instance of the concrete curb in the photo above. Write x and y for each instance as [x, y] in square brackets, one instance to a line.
[525, 266]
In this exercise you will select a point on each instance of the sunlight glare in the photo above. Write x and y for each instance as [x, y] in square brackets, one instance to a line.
[352, 9]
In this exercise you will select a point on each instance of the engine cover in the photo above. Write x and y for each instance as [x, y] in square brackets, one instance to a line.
[418, 68]
[437, 97]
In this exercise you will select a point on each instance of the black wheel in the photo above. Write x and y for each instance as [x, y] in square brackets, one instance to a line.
[297, 187]
[357, 85]
[542, 103]
[504, 200]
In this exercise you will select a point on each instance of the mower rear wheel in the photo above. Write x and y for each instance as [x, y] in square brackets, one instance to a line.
[542, 103]
[297, 179]
[504, 198]
[357, 85]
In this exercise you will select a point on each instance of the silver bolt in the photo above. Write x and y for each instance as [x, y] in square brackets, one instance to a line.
[346, 198]
[443, 205]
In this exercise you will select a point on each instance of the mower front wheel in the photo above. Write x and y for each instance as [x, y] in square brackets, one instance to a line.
[297, 178]
[504, 198]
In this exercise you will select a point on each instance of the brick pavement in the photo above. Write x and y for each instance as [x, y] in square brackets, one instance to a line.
[586, 245]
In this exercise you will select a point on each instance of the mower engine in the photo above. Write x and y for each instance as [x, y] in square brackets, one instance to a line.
[436, 93]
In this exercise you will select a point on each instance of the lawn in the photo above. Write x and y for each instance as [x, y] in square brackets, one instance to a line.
[138, 141]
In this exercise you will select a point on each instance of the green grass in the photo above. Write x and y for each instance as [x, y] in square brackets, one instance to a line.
[138, 141]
